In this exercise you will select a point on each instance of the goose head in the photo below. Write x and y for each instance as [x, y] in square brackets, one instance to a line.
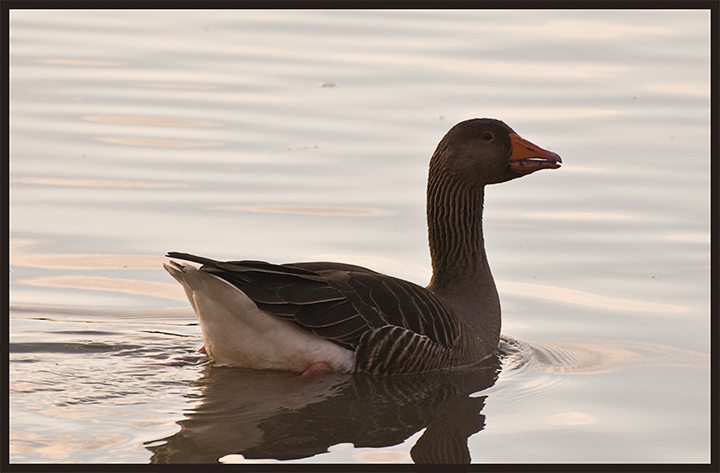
[485, 151]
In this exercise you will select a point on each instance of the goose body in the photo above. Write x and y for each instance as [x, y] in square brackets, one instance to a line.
[348, 318]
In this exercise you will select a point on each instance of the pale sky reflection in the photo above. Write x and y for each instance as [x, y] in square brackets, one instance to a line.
[587, 30]
[61, 445]
[578, 216]
[585, 298]
[680, 88]
[309, 210]
[100, 283]
[82, 62]
[550, 113]
[238, 458]
[158, 142]
[178, 85]
[383, 456]
[19, 257]
[571, 418]
[690, 237]
[46, 181]
[144, 121]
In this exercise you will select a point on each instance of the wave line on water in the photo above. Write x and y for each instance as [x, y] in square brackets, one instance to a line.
[573, 296]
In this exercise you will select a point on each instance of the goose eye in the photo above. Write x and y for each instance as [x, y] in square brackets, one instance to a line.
[487, 136]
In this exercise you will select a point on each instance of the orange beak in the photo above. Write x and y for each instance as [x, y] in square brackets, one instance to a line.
[527, 157]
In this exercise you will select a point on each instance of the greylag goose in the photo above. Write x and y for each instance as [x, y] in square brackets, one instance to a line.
[319, 316]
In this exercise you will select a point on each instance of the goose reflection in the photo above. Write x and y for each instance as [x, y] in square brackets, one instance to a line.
[283, 416]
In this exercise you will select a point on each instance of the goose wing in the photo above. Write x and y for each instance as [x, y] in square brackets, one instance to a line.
[344, 303]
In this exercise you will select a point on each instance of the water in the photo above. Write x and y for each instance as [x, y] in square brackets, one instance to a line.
[305, 135]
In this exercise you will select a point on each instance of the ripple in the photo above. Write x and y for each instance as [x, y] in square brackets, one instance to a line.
[50, 347]
[19, 256]
[309, 210]
[680, 88]
[580, 358]
[61, 445]
[524, 381]
[93, 183]
[177, 85]
[153, 121]
[690, 237]
[82, 62]
[532, 371]
[595, 216]
[560, 113]
[589, 29]
[573, 296]
[592, 357]
[178, 317]
[100, 283]
[158, 142]
[571, 418]
[100, 261]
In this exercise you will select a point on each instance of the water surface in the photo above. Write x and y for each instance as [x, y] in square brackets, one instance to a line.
[305, 135]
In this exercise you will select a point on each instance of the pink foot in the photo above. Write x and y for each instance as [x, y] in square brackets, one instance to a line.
[315, 368]
[202, 350]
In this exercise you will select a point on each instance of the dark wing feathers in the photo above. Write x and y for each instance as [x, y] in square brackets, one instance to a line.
[293, 290]
[404, 304]
[327, 314]
[388, 320]
[394, 350]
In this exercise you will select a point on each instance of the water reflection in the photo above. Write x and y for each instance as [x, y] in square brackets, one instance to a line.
[247, 415]
[264, 414]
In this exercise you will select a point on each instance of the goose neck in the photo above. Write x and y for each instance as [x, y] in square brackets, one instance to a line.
[461, 273]
[455, 231]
